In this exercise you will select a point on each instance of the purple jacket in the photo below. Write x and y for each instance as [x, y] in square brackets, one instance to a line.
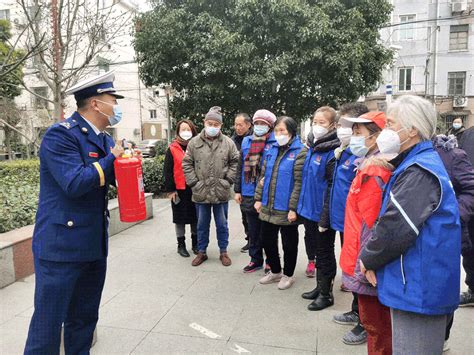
[461, 173]
[358, 283]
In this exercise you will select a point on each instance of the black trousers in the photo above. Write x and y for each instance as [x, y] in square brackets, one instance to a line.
[255, 237]
[355, 303]
[245, 223]
[468, 265]
[320, 247]
[289, 238]
[468, 258]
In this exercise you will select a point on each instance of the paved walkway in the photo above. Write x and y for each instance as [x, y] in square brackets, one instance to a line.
[154, 302]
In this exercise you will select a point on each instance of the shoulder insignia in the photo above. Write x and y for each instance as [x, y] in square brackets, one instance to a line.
[65, 124]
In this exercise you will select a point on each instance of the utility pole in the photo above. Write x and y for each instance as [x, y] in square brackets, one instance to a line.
[140, 104]
[167, 91]
[59, 111]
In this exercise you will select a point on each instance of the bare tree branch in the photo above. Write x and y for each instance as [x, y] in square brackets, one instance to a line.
[13, 128]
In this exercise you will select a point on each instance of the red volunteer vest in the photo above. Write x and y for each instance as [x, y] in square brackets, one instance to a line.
[178, 154]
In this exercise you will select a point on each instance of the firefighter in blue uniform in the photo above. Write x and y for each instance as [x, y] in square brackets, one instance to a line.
[70, 238]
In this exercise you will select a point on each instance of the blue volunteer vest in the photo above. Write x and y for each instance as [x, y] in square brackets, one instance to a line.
[426, 278]
[344, 173]
[314, 188]
[285, 177]
[248, 189]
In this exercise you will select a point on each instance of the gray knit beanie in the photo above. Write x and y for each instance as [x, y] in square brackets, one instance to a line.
[215, 113]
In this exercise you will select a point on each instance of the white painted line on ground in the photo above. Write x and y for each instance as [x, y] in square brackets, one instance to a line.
[240, 350]
[204, 331]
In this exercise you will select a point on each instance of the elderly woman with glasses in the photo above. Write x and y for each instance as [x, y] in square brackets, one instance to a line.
[413, 255]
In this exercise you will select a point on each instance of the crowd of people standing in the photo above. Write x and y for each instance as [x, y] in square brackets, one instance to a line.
[400, 197]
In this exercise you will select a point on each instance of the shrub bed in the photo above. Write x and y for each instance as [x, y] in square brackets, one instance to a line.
[19, 189]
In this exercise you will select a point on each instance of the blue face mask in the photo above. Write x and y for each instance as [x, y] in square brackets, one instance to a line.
[357, 146]
[212, 131]
[457, 125]
[117, 116]
[261, 130]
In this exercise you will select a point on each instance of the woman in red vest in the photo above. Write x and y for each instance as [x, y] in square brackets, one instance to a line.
[184, 211]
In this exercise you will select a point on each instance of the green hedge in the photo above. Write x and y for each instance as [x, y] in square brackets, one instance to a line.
[153, 176]
[19, 181]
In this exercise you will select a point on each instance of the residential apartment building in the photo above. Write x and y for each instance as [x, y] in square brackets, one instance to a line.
[433, 42]
[144, 109]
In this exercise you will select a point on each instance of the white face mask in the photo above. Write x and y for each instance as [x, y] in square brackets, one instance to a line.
[319, 131]
[344, 134]
[186, 135]
[282, 139]
[389, 141]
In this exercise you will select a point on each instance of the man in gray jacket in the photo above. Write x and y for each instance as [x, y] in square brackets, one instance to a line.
[210, 167]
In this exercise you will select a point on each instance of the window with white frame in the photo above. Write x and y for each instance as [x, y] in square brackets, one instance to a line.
[407, 31]
[152, 114]
[5, 15]
[405, 79]
[457, 83]
[458, 37]
[38, 99]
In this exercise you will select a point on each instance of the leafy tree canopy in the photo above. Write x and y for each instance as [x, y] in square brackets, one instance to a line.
[11, 64]
[289, 56]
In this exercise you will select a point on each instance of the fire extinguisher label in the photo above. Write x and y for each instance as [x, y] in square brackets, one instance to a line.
[141, 187]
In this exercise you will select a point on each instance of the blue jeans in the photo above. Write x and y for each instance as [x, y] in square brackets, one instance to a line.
[220, 211]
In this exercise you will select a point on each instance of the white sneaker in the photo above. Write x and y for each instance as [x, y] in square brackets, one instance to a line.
[286, 282]
[270, 278]
[445, 346]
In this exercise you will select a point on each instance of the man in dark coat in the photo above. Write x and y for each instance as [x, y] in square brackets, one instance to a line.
[466, 143]
[467, 299]
[242, 129]
[461, 173]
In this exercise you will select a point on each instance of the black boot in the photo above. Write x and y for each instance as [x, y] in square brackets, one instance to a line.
[194, 241]
[182, 248]
[325, 297]
[313, 294]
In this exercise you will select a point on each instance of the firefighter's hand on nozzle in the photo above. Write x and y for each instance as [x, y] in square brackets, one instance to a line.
[117, 150]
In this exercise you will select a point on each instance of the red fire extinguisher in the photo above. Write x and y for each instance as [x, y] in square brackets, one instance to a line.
[131, 192]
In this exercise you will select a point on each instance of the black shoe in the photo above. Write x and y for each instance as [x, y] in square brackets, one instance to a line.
[466, 299]
[245, 248]
[194, 240]
[251, 267]
[325, 298]
[313, 294]
[182, 248]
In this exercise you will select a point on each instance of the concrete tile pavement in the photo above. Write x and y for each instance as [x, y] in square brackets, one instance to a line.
[155, 302]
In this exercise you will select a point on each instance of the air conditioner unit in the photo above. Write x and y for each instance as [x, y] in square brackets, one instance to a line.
[19, 22]
[458, 6]
[460, 101]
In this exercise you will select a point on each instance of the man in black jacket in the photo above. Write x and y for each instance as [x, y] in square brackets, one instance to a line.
[242, 129]
[466, 143]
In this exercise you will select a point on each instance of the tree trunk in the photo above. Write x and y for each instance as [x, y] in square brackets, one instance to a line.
[8, 136]
[58, 113]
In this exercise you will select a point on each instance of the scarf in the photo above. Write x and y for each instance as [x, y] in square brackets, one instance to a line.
[181, 141]
[252, 160]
